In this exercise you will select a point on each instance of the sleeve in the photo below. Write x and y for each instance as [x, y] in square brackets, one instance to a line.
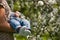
[7, 8]
[4, 2]
[11, 14]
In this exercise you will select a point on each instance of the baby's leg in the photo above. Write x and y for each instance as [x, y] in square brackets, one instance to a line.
[26, 24]
[14, 24]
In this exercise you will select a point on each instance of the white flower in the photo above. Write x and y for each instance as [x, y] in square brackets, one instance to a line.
[52, 19]
[42, 29]
[52, 1]
[41, 3]
[51, 14]
[55, 10]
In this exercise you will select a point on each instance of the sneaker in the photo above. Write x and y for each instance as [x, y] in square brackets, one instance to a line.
[24, 32]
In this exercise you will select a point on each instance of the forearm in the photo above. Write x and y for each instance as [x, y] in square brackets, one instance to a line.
[5, 27]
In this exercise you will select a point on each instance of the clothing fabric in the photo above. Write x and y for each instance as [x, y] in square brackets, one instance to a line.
[6, 36]
[25, 22]
[16, 22]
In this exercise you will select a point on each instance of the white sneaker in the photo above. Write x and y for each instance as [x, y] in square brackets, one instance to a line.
[24, 32]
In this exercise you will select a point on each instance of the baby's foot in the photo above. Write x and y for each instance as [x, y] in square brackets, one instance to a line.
[24, 32]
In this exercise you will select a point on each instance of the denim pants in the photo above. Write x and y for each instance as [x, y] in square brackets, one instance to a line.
[14, 24]
[25, 22]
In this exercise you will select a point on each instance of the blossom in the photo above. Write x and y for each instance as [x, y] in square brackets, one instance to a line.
[41, 3]
[52, 1]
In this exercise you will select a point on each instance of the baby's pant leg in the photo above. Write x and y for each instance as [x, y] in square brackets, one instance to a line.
[14, 23]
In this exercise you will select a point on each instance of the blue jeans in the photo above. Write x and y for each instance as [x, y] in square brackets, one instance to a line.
[14, 24]
[25, 22]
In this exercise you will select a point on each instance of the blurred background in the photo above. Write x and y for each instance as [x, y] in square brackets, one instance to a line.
[44, 16]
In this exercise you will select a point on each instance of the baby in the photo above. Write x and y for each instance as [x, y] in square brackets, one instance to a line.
[19, 24]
